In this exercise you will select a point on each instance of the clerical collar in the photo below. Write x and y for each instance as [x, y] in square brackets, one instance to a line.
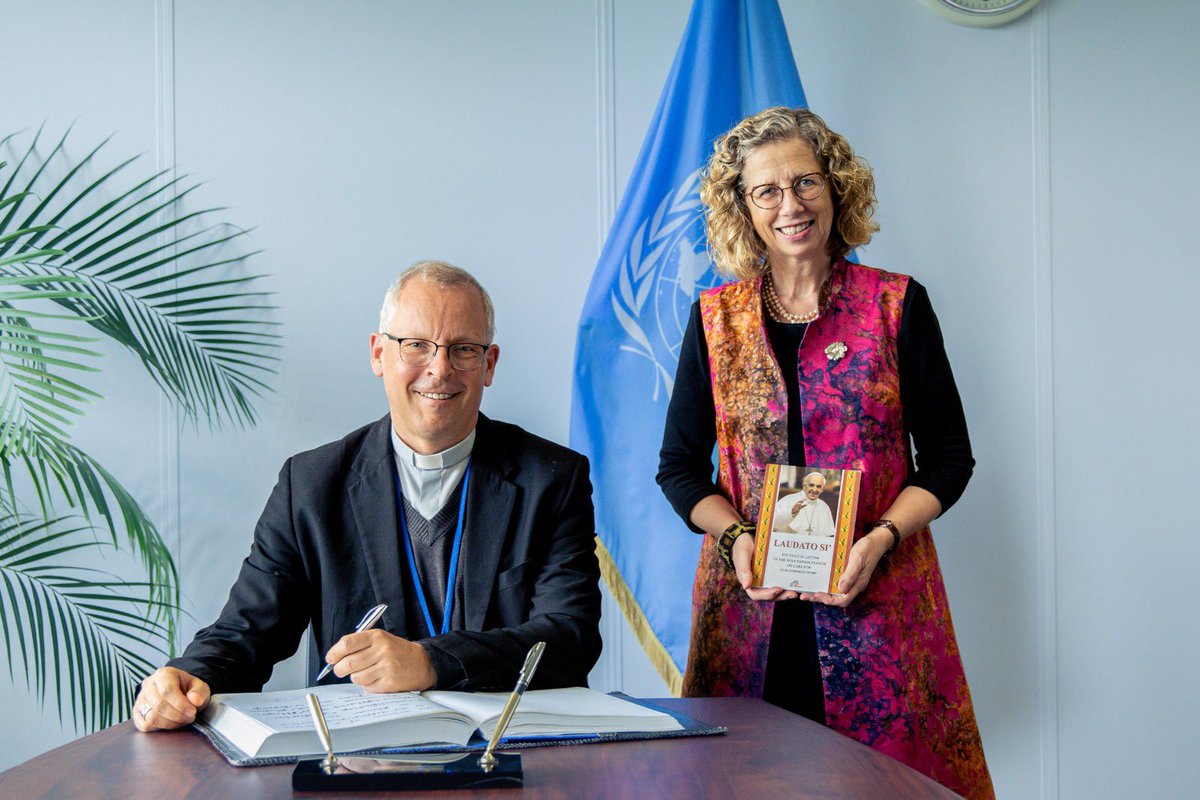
[443, 460]
[428, 480]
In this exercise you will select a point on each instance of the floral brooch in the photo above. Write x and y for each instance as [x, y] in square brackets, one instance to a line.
[835, 351]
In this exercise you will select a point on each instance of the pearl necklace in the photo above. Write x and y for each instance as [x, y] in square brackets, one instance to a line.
[775, 307]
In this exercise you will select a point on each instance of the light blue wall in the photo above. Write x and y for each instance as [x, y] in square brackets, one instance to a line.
[1038, 178]
[1125, 171]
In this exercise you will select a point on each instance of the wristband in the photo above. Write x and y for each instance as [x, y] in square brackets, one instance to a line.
[891, 526]
[725, 543]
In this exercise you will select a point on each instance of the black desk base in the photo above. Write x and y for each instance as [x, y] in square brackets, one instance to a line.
[408, 773]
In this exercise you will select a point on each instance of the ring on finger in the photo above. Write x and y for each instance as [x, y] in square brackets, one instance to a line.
[144, 710]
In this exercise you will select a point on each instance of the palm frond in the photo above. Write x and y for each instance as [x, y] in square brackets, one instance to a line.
[157, 277]
[37, 399]
[76, 635]
[141, 532]
[56, 466]
[80, 243]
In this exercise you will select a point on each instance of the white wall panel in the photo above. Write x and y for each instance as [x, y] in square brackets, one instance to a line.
[1125, 123]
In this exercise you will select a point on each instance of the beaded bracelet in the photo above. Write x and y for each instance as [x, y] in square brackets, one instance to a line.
[725, 543]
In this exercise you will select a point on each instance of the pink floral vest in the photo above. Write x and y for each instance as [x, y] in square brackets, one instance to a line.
[890, 663]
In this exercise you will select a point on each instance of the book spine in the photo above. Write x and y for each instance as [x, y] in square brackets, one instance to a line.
[846, 518]
[766, 514]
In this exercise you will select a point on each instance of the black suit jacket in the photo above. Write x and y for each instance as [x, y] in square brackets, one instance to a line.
[327, 548]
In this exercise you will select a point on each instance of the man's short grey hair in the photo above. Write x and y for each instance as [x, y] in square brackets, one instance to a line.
[816, 474]
[444, 275]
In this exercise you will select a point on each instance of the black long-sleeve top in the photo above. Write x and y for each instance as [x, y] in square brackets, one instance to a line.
[932, 408]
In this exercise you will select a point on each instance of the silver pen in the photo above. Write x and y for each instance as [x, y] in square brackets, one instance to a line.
[369, 619]
[487, 760]
[329, 763]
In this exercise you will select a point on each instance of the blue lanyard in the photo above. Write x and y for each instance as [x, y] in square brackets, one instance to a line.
[448, 603]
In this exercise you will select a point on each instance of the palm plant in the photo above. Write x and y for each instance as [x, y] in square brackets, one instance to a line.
[84, 259]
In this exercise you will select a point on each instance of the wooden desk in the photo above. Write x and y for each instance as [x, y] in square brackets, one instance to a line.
[768, 753]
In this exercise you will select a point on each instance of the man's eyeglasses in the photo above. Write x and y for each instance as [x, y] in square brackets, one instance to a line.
[806, 187]
[419, 352]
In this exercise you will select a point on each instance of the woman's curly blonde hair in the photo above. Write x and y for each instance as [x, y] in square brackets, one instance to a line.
[735, 246]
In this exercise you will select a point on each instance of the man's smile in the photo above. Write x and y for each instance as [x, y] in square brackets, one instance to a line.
[436, 395]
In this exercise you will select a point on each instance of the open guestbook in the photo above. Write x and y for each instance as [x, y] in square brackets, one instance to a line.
[269, 725]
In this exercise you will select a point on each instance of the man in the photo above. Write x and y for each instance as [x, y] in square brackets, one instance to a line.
[381, 517]
[810, 515]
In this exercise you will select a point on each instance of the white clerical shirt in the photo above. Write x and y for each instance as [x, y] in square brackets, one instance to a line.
[428, 480]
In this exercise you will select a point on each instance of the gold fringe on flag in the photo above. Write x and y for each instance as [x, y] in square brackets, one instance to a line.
[662, 662]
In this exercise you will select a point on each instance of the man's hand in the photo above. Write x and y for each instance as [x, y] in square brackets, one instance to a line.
[799, 505]
[743, 556]
[380, 662]
[170, 698]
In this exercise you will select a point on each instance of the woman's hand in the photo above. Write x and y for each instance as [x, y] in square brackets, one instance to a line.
[913, 509]
[743, 557]
[714, 514]
[860, 565]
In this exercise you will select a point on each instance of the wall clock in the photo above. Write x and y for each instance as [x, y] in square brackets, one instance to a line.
[981, 13]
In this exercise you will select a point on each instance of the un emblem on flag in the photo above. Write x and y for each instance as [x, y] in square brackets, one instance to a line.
[663, 271]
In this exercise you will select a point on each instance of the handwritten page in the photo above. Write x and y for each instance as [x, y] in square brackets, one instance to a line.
[344, 706]
[574, 709]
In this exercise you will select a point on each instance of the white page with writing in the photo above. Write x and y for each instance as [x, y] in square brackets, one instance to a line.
[576, 703]
[344, 706]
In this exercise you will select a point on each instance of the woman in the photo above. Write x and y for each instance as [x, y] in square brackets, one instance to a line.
[812, 360]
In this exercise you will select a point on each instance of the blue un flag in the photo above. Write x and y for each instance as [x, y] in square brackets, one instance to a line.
[734, 60]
